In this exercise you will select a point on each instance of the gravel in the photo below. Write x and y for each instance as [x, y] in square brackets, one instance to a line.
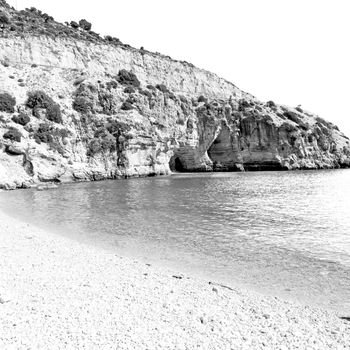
[58, 293]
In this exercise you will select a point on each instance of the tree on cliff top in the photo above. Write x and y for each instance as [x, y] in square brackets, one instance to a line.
[84, 24]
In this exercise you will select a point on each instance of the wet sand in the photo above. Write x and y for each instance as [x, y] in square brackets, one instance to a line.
[59, 293]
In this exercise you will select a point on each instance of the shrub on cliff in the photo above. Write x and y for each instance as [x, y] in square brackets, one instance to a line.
[271, 104]
[39, 99]
[243, 104]
[21, 119]
[202, 99]
[13, 135]
[129, 90]
[7, 103]
[103, 141]
[292, 116]
[128, 78]
[162, 88]
[145, 93]
[107, 103]
[84, 24]
[183, 99]
[52, 136]
[82, 104]
[43, 134]
[74, 24]
[172, 96]
[53, 113]
[127, 106]
[113, 40]
[111, 85]
[3, 18]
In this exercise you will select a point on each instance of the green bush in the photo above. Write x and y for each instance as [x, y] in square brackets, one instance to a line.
[74, 24]
[172, 96]
[112, 40]
[39, 99]
[51, 135]
[43, 134]
[13, 135]
[243, 104]
[183, 99]
[7, 103]
[129, 90]
[202, 99]
[146, 93]
[102, 142]
[21, 119]
[53, 113]
[84, 24]
[162, 88]
[83, 105]
[292, 116]
[271, 104]
[127, 78]
[127, 106]
[3, 18]
[107, 103]
[111, 84]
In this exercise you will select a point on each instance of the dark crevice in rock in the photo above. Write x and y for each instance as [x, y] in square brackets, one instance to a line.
[264, 166]
[28, 166]
[175, 164]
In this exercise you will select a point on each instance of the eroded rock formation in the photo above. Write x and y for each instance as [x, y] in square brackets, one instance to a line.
[74, 107]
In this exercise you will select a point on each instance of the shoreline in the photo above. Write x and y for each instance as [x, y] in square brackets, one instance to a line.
[59, 293]
[52, 184]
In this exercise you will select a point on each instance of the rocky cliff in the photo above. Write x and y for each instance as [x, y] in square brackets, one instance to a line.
[75, 106]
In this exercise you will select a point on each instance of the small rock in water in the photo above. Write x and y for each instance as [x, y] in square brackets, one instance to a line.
[46, 187]
[178, 277]
[215, 290]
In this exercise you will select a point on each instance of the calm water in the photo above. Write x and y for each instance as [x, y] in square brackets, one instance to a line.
[284, 233]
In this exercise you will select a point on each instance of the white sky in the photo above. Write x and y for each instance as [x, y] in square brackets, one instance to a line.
[290, 51]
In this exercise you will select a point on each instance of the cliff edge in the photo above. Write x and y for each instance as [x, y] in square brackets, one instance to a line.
[75, 106]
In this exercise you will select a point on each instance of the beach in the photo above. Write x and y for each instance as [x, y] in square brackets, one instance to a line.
[59, 293]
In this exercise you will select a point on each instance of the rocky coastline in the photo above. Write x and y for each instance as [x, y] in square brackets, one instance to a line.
[77, 107]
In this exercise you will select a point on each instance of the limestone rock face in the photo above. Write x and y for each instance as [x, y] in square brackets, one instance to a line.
[103, 110]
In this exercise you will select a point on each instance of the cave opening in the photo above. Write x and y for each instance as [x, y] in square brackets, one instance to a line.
[176, 164]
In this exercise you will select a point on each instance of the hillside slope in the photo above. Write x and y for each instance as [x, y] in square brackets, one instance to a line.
[74, 106]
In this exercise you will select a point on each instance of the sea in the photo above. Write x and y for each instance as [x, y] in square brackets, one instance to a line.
[281, 233]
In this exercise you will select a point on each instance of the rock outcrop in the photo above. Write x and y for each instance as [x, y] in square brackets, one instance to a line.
[75, 107]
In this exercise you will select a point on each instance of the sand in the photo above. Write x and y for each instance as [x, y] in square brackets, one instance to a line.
[58, 293]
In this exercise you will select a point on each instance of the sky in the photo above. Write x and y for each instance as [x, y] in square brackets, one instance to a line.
[289, 51]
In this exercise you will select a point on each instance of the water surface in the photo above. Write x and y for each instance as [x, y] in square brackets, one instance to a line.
[281, 233]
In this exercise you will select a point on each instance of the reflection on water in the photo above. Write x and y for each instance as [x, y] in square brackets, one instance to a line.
[285, 233]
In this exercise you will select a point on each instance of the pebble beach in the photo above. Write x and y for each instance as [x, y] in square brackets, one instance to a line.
[59, 293]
